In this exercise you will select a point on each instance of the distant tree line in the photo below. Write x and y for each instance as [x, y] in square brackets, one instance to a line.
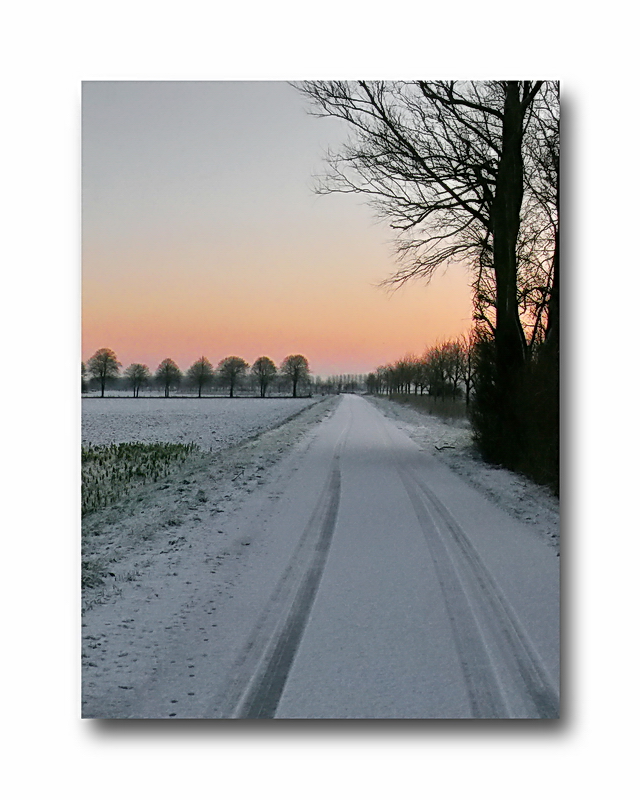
[470, 171]
[337, 384]
[232, 374]
[444, 371]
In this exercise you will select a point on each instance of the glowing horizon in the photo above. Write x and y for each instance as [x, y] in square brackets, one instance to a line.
[202, 236]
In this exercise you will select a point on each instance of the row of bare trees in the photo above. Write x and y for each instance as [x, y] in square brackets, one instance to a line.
[446, 370]
[336, 384]
[469, 171]
[103, 367]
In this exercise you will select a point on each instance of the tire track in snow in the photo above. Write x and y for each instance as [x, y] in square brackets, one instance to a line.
[261, 701]
[444, 535]
[479, 614]
[261, 670]
[483, 689]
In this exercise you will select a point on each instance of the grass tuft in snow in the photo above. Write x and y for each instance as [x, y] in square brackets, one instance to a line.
[111, 471]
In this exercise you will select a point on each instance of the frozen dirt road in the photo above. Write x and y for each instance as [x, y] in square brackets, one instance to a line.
[378, 584]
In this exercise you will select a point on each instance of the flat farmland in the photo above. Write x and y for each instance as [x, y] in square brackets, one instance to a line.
[211, 423]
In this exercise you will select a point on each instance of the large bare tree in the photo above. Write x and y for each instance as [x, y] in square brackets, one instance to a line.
[138, 375]
[230, 370]
[103, 365]
[200, 374]
[296, 369]
[455, 168]
[168, 375]
[265, 371]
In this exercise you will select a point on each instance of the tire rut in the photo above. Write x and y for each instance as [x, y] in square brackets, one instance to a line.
[493, 614]
[261, 670]
[487, 633]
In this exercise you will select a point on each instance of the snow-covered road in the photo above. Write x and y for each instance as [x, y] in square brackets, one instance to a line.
[368, 581]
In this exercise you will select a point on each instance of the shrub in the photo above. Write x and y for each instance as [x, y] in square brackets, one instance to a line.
[523, 433]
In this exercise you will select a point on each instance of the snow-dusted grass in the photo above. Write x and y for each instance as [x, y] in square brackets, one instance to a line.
[161, 439]
[211, 423]
[121, 540]
[111, 470]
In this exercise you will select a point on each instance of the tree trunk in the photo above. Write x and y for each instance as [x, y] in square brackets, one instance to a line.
[510, 339]
[510, 352]
[552, 338]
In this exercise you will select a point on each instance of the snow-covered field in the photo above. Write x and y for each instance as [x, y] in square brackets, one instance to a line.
[184, 564]
[154, 552]
[212, 423]
[118, 540]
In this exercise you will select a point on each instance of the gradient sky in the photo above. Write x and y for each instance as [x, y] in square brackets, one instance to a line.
[202, 236]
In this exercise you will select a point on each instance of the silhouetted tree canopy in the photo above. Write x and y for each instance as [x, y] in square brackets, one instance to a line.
[465, 170]
[265, 371]
[296, 368]
[200, 374]
[168, 375]
[230, 370]
[138, 375]
[103, 365]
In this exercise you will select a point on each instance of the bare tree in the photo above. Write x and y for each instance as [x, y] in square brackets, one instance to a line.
[168, 375]
[104, 365]
[442, 161]
[435, 360]
[542, 181]
[447, 164]
[453, 364]
[230, 370]
[296, 369]
[200, 374]
[265, 371]
[138, 375]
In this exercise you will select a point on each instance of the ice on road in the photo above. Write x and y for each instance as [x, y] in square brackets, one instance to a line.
[378, 584]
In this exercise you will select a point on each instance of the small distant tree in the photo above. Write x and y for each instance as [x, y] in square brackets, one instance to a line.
[137, 375]
[435, 360]
[104, 365]
[230, 370]
[83, 378]
[265, 371]
[453, 364]
[371, 383]
[200, 374]
[296, 369]
[168, 375]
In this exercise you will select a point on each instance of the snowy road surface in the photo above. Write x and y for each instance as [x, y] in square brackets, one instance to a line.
[367, 581]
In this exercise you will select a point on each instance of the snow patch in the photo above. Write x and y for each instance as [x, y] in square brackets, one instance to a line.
[212, 423]
[452, 442]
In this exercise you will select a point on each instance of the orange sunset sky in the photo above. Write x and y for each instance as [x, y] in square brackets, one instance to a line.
[202, 236]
